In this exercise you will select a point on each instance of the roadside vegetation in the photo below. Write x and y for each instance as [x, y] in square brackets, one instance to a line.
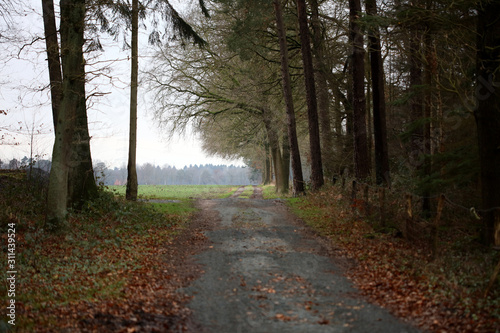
[449, 293]
[103, 261]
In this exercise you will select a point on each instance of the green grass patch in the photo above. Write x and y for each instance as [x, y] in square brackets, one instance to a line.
[247, 193]
[182, 207]
[269, 192]
[179, 192]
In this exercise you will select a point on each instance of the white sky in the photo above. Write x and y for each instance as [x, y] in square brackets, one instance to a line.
[20, 83]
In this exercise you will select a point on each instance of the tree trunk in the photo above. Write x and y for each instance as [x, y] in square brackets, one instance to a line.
[82, 186]
[298, 179]
[378, 94]
[312, 107]
[274, 144]
[54, 62]
[132, 185]
[267, 165]
[72, 40]
[286, 159]
[361, 157]
[487, 116]
[81, 182]
[428, 81]
[327, 142]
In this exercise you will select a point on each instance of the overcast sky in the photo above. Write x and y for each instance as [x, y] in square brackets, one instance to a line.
[23, 76]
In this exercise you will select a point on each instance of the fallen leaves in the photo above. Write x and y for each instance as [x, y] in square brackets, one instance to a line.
[89, 280]
[392, 272]
[283, 317]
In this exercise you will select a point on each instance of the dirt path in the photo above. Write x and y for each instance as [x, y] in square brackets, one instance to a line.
[264, 272]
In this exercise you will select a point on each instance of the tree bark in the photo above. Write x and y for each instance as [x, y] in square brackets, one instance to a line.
[82, 185]
[298, 179]
[312, 107]
[267, 165]
[361, 157]
[72, 40]
[285, 147]
[132, 185]
[327, 136]
[487, 114]
[53, 59]
[378, 95]
[428, 81]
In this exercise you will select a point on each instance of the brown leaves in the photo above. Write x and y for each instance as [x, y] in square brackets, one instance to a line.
[109, 278]
[393, 272]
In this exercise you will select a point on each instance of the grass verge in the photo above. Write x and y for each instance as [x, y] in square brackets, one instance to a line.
[269, 192]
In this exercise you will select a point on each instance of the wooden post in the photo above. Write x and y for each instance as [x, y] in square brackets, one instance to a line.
[381, 198]
[435, 227]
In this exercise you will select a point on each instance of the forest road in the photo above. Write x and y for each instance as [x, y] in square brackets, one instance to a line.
[264, 271]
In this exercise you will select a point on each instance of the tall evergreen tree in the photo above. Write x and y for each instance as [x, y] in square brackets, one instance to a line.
[181, 28]
[132, 186]
[378, 98]
[298, 180]
[312, 105]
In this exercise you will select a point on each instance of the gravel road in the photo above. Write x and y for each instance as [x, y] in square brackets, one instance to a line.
[264, 271]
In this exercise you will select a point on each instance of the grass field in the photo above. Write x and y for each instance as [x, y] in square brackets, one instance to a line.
[180, 192]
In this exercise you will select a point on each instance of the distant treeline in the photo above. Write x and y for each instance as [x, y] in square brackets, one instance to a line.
[148, 174]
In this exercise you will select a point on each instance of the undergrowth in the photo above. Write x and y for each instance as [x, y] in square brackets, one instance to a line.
[441, 294]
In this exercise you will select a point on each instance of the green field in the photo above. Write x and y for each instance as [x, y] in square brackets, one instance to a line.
[180, 192]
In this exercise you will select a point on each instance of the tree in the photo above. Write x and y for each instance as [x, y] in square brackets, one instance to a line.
[72, 41]
[312, 107]
[186, 32]
[361, 156]
[81, 182]
[378, 93]
[14, 164]
[324, 98]
[487, 114]
[132, 186]
[53, 59]
[298, 180]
